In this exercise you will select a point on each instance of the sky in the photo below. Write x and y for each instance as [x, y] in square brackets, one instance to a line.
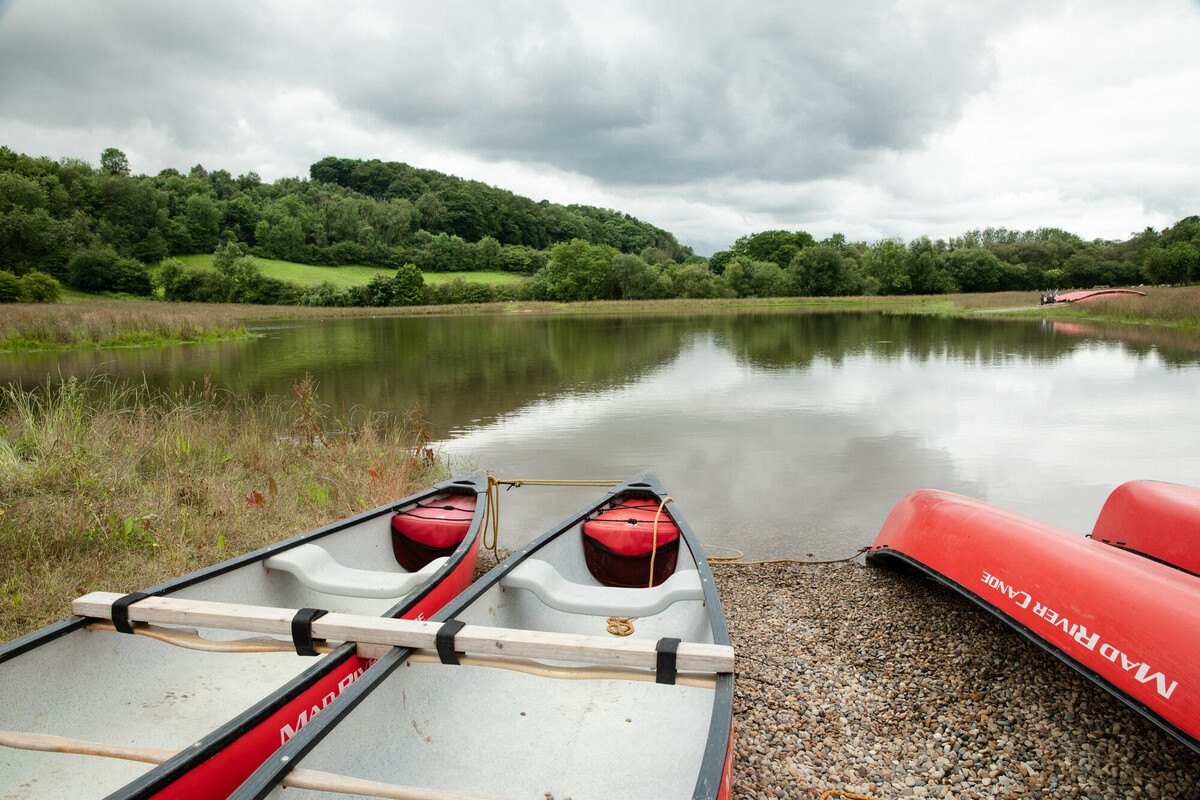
[713, 120]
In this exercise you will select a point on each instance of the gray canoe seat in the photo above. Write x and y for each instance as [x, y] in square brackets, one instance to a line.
[313, 566]
[554, 590]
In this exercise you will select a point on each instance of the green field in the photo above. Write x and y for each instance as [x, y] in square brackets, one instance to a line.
[345, 277]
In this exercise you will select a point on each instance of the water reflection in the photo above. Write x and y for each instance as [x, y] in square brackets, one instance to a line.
[778, 432]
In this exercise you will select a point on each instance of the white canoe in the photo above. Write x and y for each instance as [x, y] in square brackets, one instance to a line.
[223, 712]
[409, 728]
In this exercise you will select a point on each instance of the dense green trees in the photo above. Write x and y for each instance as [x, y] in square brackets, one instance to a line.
[350, 212]
[96, 229]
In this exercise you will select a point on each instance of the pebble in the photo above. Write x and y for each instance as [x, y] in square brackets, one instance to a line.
[886, 684]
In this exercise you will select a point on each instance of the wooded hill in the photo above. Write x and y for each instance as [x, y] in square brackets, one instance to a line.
[373, 213]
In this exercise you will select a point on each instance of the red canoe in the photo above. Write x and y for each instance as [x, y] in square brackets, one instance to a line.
[1121, 607]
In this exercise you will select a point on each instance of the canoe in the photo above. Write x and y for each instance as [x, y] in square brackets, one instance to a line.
[1125, 617]
[1157, 520]
[522, 686]
[224, 712]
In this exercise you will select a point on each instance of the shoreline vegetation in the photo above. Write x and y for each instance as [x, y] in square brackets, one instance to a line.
[116, 487]
[124, 323]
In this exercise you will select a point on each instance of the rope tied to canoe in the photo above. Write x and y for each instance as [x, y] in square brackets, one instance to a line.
[844, 793]
[492, 511]
[654, 539]
[737, 562]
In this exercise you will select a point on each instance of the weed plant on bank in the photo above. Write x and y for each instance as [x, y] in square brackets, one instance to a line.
[110, 487]
[113, 324]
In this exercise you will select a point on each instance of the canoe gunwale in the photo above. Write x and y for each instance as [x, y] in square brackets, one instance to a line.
[884, 554]
[718, 741]
[1147, 556]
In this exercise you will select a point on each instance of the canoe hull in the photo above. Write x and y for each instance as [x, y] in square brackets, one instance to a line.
[1130, 624]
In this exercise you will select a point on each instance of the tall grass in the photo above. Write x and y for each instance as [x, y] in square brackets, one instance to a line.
[1179, 306]
[116, 323]
[105, 486]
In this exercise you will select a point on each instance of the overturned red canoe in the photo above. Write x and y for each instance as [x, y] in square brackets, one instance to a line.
[1128, 622]
[1156, 520]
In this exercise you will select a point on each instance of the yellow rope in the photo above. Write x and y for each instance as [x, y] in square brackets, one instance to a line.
[492, 511]
[620, 626]
[734, 559]
[654, 541]
[550, 482]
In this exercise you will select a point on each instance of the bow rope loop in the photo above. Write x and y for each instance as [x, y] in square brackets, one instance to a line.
[492, 512]
[654, 540]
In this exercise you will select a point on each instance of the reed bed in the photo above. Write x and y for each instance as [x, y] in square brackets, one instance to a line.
[109, 324]
[1177, 306]
[106, 486]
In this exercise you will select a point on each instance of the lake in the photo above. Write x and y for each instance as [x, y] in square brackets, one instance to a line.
[778, 432]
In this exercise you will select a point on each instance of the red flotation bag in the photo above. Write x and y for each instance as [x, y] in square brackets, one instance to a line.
[618, 543]
[431, 529]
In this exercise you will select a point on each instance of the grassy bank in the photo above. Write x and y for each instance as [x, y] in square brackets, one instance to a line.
[114, 323]
[112, 487]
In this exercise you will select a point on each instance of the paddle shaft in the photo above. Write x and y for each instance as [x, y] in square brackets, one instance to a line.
[297, 778]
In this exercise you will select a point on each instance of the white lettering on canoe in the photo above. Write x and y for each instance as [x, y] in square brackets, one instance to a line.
[305, 716]
[1079, 633]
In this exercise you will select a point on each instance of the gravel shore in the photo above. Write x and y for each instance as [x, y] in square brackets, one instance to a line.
[886, 684]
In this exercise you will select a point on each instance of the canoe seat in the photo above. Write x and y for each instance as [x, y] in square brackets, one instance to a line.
[313, 566]
[554, 590]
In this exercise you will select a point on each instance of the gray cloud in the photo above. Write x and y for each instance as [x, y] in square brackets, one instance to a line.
[620, 92]
[874, 118]
[771, 90]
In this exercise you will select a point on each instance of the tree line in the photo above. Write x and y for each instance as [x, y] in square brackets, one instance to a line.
[72, 221]
[97, 229]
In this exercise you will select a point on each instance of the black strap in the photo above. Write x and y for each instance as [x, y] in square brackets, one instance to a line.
[665, 664]
[120, 610]
[444, 640]
[302, 630]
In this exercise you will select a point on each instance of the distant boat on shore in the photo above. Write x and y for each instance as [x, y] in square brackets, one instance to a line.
[1054, 298]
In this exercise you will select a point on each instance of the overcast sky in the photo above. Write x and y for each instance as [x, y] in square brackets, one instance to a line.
[710, 119]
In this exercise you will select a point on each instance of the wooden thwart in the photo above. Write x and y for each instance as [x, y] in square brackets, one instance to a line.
[626, 652]
[182, 637]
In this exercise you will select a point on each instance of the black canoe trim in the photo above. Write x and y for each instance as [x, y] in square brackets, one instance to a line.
[213, 743]
[884, 556]
[178, 765]
[712, 766]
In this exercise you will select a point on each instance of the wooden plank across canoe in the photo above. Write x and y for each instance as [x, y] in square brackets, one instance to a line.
[692, 656]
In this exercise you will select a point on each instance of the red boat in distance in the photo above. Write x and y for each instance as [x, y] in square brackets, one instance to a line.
[1122, 606]
[1054, 298]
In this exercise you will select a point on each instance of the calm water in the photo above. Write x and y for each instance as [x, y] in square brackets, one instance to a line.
[779, 433]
